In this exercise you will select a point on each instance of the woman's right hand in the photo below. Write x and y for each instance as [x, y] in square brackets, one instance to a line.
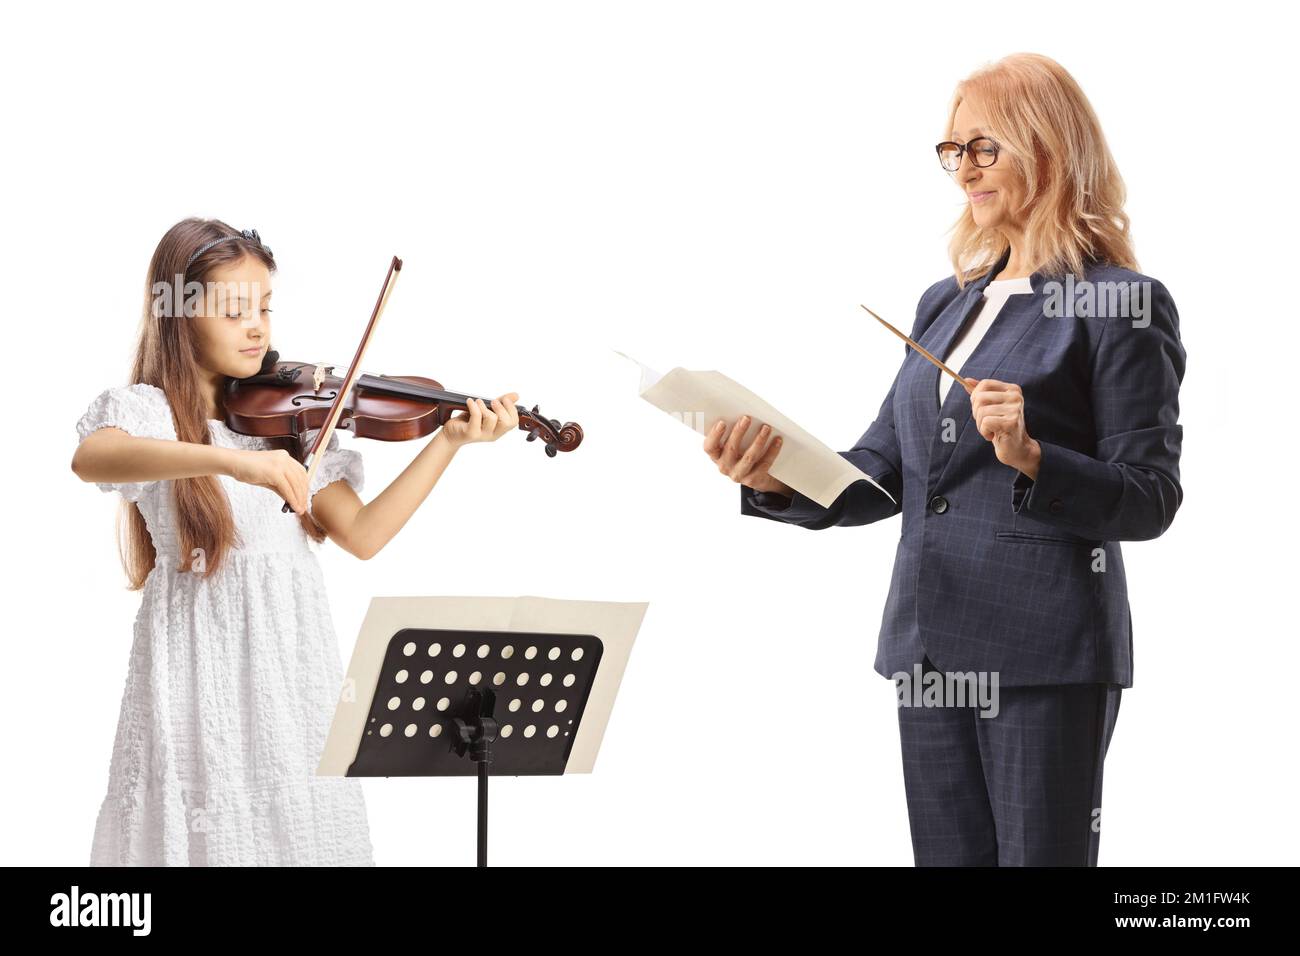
[746, 466]
[275, 469]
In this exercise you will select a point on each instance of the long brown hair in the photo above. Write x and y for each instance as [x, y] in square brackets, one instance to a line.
[167, 356]
[1073, 208]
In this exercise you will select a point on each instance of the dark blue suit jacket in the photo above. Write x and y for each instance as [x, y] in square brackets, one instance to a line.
[995, 572]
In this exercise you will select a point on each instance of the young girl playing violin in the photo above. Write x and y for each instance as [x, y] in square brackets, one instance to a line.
[235, 667]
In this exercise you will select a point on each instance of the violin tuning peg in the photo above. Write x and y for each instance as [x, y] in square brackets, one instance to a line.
[532, 435]
[550, 451]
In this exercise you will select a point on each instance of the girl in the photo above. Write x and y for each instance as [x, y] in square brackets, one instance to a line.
[1014, 497]
[235, 666]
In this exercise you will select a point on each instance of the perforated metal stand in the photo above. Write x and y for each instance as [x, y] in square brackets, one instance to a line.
[434, 707]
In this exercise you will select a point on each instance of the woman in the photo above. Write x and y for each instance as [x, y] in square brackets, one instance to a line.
[1008, 572]
[235, 666]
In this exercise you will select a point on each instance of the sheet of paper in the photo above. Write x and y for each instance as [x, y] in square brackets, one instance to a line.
[698, 399]
[615, 623]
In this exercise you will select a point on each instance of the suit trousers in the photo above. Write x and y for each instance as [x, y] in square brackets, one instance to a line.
[1022, 788]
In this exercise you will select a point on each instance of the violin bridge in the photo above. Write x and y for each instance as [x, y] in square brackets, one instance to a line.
[318, 376]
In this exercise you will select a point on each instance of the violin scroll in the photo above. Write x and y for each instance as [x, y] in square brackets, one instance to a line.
[558, 437]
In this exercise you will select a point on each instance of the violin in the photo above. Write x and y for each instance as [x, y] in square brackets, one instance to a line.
[281, 401]
[290, 399]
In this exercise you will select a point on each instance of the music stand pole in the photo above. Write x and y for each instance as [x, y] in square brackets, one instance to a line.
[474, 735]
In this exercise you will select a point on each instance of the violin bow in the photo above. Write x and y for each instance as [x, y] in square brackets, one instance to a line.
[321, 444]
[914, 345]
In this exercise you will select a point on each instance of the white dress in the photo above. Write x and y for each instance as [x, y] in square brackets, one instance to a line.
[231, 685]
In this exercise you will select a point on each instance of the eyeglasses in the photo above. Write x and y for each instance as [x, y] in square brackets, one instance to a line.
[983, 152]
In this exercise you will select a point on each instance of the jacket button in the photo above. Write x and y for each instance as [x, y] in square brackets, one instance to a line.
[1056, 506]
[938, 504]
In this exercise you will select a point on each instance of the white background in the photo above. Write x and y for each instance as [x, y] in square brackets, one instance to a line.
[698, 184]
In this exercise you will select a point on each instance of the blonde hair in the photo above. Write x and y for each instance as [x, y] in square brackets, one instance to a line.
[1073, 207]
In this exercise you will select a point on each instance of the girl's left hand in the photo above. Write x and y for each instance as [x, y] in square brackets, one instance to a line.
[999, 410]
[481, 422]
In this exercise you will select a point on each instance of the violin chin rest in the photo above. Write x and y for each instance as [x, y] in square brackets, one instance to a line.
[268, 361]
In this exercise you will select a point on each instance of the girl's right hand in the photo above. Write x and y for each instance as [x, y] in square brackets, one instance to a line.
[275, 469]
[746, 466]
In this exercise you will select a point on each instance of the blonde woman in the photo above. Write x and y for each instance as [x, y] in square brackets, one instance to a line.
[1008, 582]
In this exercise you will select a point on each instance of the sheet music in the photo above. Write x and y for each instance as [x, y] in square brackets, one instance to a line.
[698, 399]
[615, 623]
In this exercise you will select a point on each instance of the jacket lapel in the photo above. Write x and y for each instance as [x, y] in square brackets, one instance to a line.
[1013, 322]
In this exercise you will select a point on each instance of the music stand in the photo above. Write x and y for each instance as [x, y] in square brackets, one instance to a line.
[446, 686]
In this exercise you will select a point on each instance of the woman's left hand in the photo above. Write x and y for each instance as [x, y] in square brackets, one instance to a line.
[480, 422]
[999, 410]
